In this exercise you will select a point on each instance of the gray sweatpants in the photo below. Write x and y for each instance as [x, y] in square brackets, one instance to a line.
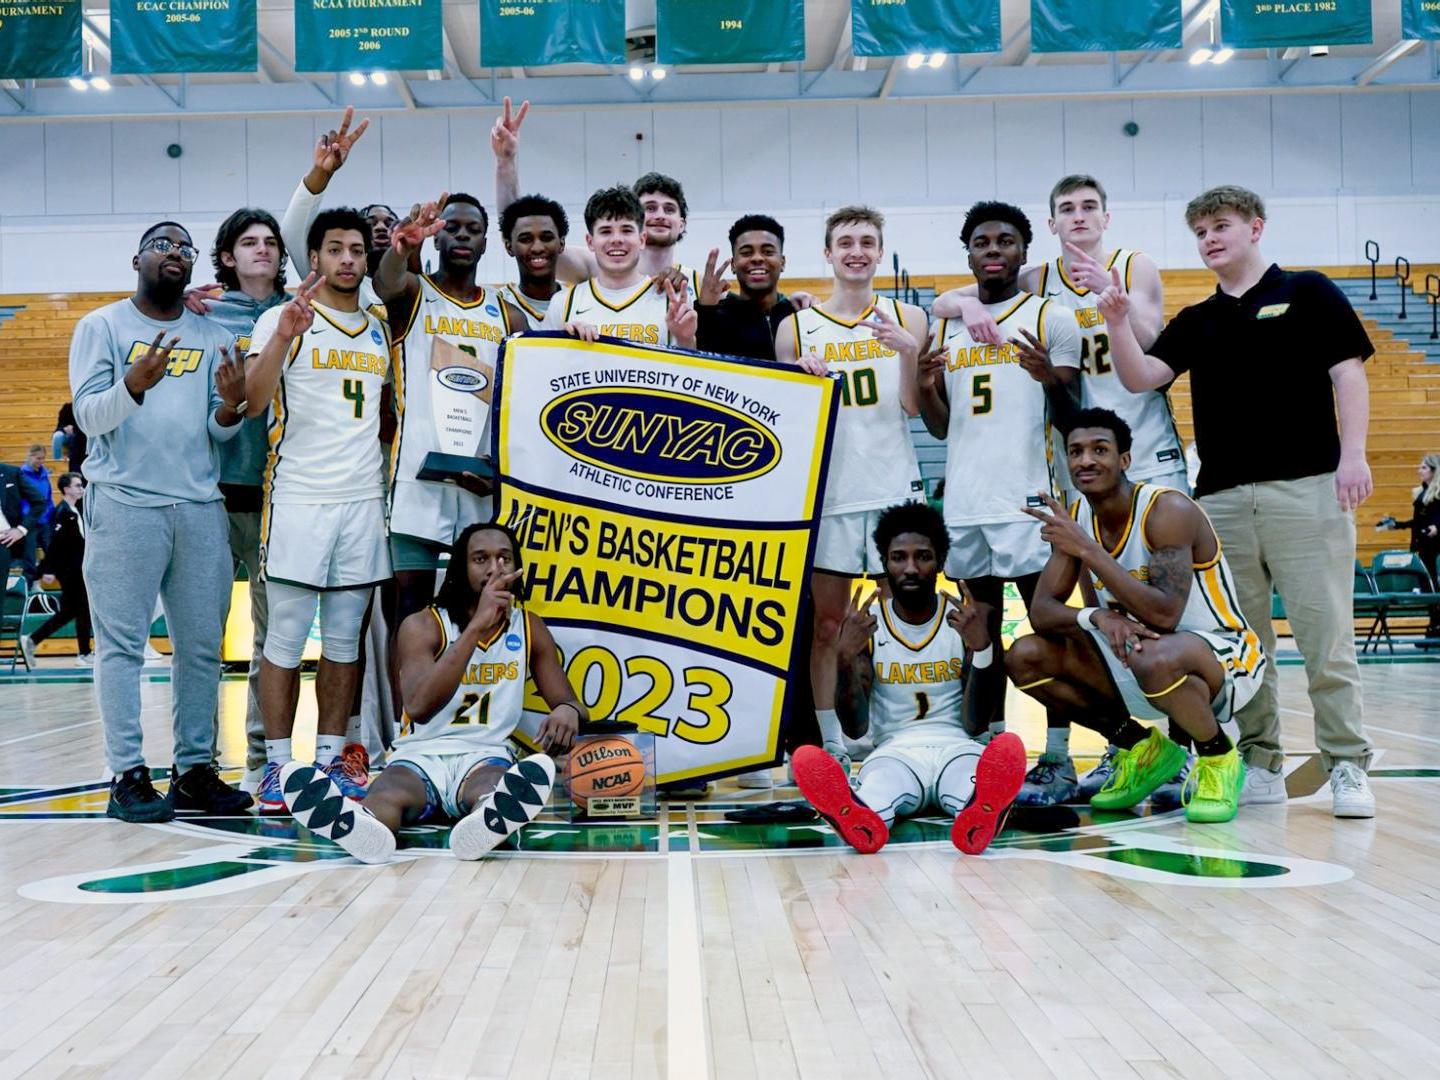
[132, 555]
[244, 531]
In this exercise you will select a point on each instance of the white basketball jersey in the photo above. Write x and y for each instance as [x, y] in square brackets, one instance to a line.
[533, 310]
[476, 327]
[1211, 607]
[1155, 441]
[636, 314]
[999, 452]
[918, 686]
[325, 419]
[872, 458]
[486, 706]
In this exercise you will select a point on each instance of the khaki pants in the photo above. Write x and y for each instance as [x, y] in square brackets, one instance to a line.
[1294, 534]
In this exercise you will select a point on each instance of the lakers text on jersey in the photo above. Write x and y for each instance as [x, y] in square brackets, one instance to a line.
[636, 315]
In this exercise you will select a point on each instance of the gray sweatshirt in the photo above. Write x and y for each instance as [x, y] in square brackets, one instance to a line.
[162, 449]
[242, 459]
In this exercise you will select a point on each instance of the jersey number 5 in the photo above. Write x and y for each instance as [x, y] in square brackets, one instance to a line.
[355, 392]
[982, 397]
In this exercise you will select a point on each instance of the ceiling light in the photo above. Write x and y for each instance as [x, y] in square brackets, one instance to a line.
[636, 72]
[357, 78]
[1319, 50]
[936, 59]
[379, 78]
[79, 84]
[1200, 55]
[1222, 55]
[914, 60]
[658, 73]
[99, 82]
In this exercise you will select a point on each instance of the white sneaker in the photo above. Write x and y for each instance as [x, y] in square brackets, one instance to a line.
[1351, 789]
[252, 780]
[27, 648]
[85, 659]
[757, 779]
[1262, 787]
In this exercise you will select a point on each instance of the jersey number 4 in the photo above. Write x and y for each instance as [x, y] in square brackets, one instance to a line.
[355, 392]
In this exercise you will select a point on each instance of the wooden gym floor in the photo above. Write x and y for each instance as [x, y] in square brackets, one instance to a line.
[1283, 944]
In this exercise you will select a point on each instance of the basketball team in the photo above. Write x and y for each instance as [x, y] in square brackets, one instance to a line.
[244, 425]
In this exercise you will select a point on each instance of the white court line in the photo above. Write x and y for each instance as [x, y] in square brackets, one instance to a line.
[1403, 734]
[51, 731]
[687, 1055]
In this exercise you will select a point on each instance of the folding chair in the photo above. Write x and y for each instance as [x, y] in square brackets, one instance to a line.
[1369, 604]
[1401, 578]
[14, 602]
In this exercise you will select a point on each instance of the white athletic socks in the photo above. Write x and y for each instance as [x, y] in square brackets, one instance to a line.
[327, 748]
[1057, 742]
[278, 751]
[830, 731]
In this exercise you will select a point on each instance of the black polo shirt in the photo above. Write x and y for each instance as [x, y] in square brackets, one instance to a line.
[738, 326]
[1259, 370]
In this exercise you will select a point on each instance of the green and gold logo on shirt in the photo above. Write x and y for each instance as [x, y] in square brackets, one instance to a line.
[182, 361]
[1270, 311]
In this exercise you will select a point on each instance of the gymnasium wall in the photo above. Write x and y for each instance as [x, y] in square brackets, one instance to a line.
[1336, 170]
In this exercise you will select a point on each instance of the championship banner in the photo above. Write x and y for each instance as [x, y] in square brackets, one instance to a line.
[666, 505]
[368, 35]
[901, 27]
[1264, 24]
[1104, 25]
[729, 31]
[534, 33]
[151, 37]
[40, 39]
[1420, 20]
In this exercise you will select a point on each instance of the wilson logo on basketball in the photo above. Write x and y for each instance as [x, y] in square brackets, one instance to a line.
[462, 379]
[660, 435]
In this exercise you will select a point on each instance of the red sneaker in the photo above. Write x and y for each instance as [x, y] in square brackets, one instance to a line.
[355, 762]
[998, 776]
[826, 786]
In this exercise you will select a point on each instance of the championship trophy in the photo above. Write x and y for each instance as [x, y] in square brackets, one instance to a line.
[461, 385]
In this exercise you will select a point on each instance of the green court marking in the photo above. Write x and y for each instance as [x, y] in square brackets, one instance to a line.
[182, 877]
[1186, 865]
[1398, 772]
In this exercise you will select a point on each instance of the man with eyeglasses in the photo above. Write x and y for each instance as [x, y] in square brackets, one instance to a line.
[157, 388]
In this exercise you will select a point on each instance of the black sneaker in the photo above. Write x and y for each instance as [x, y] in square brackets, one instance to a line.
[134, 798]
[200, 788]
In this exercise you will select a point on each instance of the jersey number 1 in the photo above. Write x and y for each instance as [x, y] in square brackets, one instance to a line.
[355, 391]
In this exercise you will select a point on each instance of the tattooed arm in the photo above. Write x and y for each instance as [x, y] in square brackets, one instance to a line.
[1179, 536]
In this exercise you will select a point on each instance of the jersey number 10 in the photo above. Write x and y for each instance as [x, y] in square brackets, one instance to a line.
[864, 391]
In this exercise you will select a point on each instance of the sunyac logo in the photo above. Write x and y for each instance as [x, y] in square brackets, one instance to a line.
[660, 435]
[462, 379]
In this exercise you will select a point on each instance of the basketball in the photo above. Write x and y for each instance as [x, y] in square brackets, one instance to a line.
[602, 768]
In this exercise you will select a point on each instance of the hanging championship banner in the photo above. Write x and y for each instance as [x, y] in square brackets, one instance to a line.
[40, 39]
[1104, 25]
[901, 27]
[534, 33]
[666, 505]
[1420, 20]
[729, 31]
[163, 36]
[369, 35]
[1263, 24]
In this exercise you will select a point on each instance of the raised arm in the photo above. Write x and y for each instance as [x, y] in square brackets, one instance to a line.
[270, 349]
[1138, 370]
[332, 150]
[931, 396]
[395, 283]
[1147, 299]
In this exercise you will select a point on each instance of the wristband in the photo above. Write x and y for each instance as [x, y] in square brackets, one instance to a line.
[1086, 617]
[981, 660]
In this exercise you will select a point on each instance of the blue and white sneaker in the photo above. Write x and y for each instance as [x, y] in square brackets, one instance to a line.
[1168, 795]
[316, 802]
[1099, 776]
[344, 779]
[268, 799]
[519, 796]
[1051, 782]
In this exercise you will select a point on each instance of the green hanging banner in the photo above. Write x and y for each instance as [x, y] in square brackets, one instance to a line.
[729, 31]
[1420, 20]
[900, 27]
[1273, 24]
[1103, 25]
[534, 33]
[40, 39]
[150, 37]
[369, 35]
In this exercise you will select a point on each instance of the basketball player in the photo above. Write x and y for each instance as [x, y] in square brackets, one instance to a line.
[619, 301]
[661, 198]
[1079, 219]
[432, 318]
[873, 344]
[904, 678]
[1161, 631]
[320, 362]
[463, 666]
[534, 229]
[995, 406]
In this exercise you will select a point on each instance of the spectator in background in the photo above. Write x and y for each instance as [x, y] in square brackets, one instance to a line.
[15, 524]
[39, 503]
[157, 387]
[1424, 526]
[64, 555]
[68, 440]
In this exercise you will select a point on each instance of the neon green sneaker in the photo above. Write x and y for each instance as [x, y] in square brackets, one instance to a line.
[1139, 771]
[1212, 792]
